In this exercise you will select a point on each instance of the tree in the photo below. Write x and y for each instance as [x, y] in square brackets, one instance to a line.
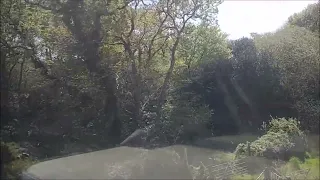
[308, 18]
[83, 20]
[154, 33]
[295, 52]
[203, 44]
[180, 13]
[17, 48]
[202, 48]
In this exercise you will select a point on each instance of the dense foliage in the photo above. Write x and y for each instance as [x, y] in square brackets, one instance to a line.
[83, 75]
[308, 18]
[283, 140]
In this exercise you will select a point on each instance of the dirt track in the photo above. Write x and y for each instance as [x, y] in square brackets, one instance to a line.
[136, 163]
[126, 163]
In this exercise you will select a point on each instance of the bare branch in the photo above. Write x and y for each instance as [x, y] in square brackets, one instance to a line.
[132, 26]
[159, 30]
[118, 8]
[116, 43]
[160, 47]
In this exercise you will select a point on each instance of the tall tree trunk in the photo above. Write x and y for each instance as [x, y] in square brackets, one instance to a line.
[21, 75]
[137, 101]
[166, 82]
[90, 43]
[111, 109]
[136, 81]
[5, 113]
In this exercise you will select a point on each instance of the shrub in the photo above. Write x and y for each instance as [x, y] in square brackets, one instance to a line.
[269, 145]
[13, 162]
[294, 163]
[283, 140]
[282, 125]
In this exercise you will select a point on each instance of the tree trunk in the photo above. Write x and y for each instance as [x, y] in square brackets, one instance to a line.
[166, 82]
[5, 114]
[111, 109]
[90, 43]
[136, 80]
[137, 102]
[21, 75]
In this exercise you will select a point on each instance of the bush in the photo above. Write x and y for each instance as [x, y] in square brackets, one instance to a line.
[294, 163]
[282, 125]
[13, 162]
[260, 147]
[283, 140]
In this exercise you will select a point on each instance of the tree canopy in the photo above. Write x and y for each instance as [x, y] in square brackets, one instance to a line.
[89, 73]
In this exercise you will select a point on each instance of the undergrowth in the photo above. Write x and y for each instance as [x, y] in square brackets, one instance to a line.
[13, 161]
[297, 169]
